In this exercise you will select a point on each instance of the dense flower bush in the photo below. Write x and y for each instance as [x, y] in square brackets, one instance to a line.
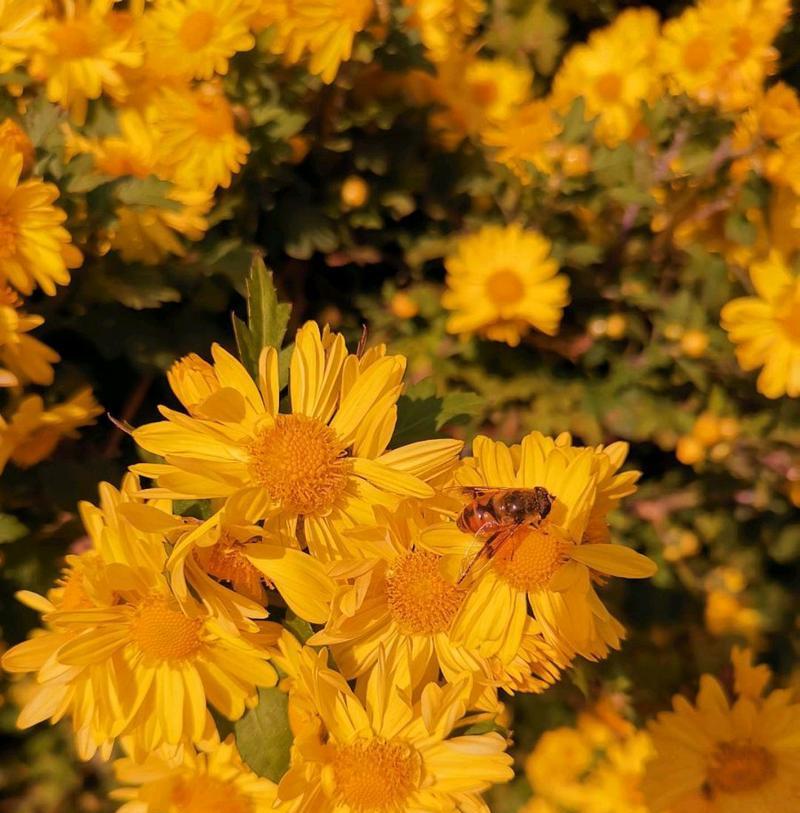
[470, 248]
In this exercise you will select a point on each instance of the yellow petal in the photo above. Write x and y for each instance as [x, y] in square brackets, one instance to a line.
[614, 560]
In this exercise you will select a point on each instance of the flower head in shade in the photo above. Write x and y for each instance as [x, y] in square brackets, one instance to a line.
[727, 752]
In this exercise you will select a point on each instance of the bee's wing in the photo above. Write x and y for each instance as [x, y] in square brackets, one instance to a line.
[479, 491]
[488, 549]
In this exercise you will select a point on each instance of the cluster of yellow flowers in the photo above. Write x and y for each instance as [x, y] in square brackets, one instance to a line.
[722, 754]
[718, 54]
[307, 509]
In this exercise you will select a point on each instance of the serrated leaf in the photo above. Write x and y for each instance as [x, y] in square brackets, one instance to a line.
[11, 529]
[457, 405]
[263, 735]
[421, 414]
[266, 317]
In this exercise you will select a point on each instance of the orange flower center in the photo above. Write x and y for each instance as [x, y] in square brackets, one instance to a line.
[226, 561]
[73, 40]
[375, 775]
[420, 600]
[739, 766]
[484, 92]
[301, 464]
[697, 53]
[529, 559]
[207, 794]
[197, 29]
[609, 86]
[163, 632]
[504, 287]
[213, 118]
[8, 234]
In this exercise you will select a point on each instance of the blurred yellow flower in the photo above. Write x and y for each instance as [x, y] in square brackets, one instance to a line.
[614, 73]
[323, 29]
[548, 571]
[34, 246]
[444, 25]
[501, 281]
[766, 327]
[80, 54]
[197, 782]
[527, 139]
[194, 39]
[33, 432]
[23, 359]
[389, 748]
[20, 26]
[322, 466]
[200, 148]
[739, 752]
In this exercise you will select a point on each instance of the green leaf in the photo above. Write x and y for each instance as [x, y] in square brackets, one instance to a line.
[199, 509]
[263, 735]
[421, 413]
[146, 192]
[301, 629]
[11, 529]
[266, 317]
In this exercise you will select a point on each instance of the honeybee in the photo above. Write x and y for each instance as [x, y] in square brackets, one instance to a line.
[492, 515]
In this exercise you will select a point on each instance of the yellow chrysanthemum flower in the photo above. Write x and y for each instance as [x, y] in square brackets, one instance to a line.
[474, 95]
[501, 281]
[444, 25]
[199, 143]
[143, 666]
[145, 234]
[552, 568]
[23, 359]
[397, 596]
[80, 54]
[384, 749]
[195, 39]
[323, 466]
[33, 432]
[199, 782]
[20, 27]
[323, 29]
[736, 754]
[35, 248]
[526, 140]
[614, 74]
[766, 327]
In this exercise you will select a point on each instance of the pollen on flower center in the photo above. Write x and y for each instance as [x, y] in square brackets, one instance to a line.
[504, 287]
[73, 41]
[226, 561]
[8, 234]
[163, 632]
[375, 775]
[529, 559]
[197, 29]
[609, 86]
[301, 464]
[739, 766]
[420, 600]
[206, 794]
